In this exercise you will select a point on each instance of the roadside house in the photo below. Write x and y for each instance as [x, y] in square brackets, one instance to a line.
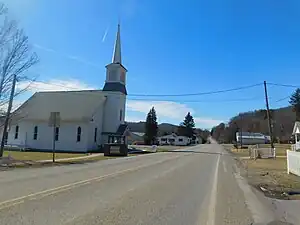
[173, 139]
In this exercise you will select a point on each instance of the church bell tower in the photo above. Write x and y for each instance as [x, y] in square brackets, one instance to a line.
[115, 71]
[115, 92]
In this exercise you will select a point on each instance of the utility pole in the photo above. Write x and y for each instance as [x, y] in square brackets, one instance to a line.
[269, 117]
[11, 98]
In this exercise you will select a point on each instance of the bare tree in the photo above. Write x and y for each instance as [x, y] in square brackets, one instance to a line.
[16, 56]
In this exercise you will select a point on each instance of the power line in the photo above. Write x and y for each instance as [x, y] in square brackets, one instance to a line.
[284, 85]
[282, 99]
[200, 93]
[197, 101]
[166, 95]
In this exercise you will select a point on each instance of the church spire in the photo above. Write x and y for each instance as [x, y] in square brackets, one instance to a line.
[117, 51]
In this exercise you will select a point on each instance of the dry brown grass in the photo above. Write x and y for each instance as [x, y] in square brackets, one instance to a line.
[36, 156]
[270, 174]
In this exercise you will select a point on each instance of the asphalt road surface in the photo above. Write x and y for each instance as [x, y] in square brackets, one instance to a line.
[193, 186]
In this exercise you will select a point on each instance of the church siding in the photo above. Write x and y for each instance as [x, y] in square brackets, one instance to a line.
[67, 140]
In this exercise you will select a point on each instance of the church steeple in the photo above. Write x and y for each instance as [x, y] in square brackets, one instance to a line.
[117, 57]
[115, 71]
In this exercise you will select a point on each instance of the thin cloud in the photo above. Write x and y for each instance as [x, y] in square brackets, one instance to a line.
[44, 48]
[71, 57]
[169, 110]
[105, 34]
[54, 85]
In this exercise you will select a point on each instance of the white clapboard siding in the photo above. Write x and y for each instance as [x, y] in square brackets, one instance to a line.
[293, 162]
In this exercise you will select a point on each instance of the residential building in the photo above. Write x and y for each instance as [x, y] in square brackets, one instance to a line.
[173, 139]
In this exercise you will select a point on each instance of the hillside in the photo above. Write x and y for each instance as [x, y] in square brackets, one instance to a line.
[163, 129]
[283, 120]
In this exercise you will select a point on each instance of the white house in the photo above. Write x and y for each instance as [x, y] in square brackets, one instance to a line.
[173, 139]
[86, 117]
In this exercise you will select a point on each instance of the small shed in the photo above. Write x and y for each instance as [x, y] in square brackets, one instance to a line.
[135, 138]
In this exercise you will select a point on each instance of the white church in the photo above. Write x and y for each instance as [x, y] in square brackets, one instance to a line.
[85, 118]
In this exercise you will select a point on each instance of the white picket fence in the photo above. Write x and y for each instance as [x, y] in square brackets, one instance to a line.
[293, 162]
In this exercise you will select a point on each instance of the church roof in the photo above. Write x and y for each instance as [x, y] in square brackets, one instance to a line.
[113, 86]
[72, 105]
[122, 128]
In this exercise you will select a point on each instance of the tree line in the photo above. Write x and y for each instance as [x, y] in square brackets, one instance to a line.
[282, 121]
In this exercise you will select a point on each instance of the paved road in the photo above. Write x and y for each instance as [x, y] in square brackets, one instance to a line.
[196, 186]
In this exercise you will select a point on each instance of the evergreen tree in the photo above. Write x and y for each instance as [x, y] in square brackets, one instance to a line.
[151, 127]
[186, 128]
[295, 102]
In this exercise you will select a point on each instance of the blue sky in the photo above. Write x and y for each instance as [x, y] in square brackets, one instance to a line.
[169, 48]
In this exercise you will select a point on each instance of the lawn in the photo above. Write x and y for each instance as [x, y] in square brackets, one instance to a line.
[269, 174]
[37, 156]
[33, 159]
[280, 149]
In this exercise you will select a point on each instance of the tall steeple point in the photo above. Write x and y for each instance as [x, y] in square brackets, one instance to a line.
[117, 58]
[115, 71]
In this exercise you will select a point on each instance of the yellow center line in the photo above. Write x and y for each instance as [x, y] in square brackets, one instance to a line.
[47, 192]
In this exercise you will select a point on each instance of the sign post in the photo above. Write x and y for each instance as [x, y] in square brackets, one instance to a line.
[54, 121]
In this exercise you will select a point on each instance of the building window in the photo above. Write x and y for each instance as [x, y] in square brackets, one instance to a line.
[121, 114]
[78, 134]
[35, 133]
[180, 140]
[17, 132]
[56, 133]
[95, 135]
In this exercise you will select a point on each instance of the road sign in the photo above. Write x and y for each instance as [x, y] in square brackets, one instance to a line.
[297, 131]
[54, 119]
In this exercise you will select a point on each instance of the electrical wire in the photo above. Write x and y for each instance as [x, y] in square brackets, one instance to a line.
[197, 94]
[284, 85]
[197, 101]
[178, 95]
[167, 95]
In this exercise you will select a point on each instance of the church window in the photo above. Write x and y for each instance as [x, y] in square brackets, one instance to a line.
[56, 133]
[35, 133]
[121, 115]
[17, 132]
[95, 135]
[78, 134]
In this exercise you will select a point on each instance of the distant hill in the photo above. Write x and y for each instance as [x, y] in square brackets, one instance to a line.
[283, 120]
[163, 129]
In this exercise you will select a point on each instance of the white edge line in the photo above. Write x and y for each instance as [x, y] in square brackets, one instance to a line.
[213, 197]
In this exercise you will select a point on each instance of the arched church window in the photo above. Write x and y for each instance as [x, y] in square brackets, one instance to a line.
[78, 134]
